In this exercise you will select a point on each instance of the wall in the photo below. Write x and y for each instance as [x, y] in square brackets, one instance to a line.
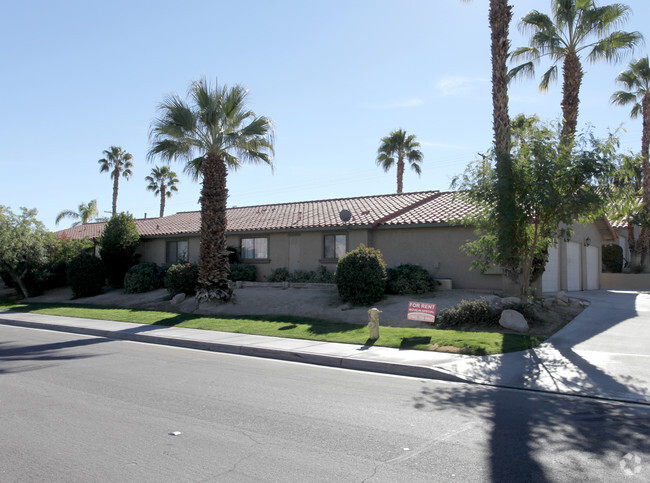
[625, 281]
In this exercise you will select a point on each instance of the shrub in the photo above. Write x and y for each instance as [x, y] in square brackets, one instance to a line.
[279, 275]
[301, 276]
[409, 279]
[182, 278]
[142, 277]
[118, 245]
[86, 275]
[233, 255]
[323, 275]
[361, 276]
[612, 256]
[243, 271]
[480, 312]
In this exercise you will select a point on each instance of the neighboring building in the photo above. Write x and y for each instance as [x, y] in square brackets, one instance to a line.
[422, 228]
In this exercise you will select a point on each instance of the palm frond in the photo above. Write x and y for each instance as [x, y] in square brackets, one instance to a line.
[615, 46]
[525, 70]
[548, 77]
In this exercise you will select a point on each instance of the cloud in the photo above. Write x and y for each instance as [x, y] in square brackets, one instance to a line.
[405, 103]
[457, 85]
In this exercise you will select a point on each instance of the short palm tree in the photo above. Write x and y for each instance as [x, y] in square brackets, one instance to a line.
[85, 213]
[162, 181]
[212, 133]
[396, 148]
[636, 80]
[117, 162]
[576, 26]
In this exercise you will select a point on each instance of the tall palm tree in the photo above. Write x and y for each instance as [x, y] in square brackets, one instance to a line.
[212, 133]
[117, 161]
[162, 181]
[636, 80]
[405, 148]
[85, 213]
[576, 26]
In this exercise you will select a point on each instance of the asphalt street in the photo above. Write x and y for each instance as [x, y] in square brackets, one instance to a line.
[80, 408]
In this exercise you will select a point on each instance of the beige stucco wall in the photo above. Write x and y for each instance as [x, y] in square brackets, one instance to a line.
[155, 250]
[626, 281]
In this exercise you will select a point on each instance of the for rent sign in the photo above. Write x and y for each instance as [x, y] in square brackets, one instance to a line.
[422, 311]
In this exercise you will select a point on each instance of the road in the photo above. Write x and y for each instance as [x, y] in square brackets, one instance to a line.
[78, 408]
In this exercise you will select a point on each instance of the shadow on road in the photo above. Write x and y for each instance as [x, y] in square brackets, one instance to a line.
[12, 353]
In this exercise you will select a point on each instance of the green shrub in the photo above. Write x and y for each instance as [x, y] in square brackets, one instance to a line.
[409, 279]
[302, 276]
[361, 276]
[86, 275]
[118, 244]
[323, 275]
[479, 312]
[142, 277]
[279, 275]
[612, 256]
[243, 272]
[182, 278]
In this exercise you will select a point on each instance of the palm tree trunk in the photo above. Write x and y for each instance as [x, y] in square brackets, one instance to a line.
[631, 244]
[162, 199]
[214, 269]
[644, 237]
[116, 181]
[400, 173]
[570, 96]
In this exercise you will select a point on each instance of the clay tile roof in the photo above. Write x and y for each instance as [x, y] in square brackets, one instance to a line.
[443, 208]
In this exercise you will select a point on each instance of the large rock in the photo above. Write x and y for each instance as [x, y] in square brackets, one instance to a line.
[177, 299]
[562, 298]
[513, 320]
[510, 301]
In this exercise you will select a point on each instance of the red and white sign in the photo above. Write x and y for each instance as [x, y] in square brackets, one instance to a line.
[422, 311]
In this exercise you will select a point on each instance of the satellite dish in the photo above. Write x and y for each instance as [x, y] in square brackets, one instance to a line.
[345, 216]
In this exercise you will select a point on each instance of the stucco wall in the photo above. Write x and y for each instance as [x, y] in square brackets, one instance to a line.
[626, 281]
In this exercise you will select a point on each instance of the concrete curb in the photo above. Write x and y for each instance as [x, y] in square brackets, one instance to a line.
[366, 365]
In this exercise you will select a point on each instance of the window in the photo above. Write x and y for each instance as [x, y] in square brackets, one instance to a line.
[177, 252]
[335, 246]
[254, 248]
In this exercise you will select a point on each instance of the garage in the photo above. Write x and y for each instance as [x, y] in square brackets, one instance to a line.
[551, 275]
[574, 266]
[593, 269]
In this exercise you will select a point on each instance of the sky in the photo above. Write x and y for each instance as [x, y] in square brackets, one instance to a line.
[335, 77]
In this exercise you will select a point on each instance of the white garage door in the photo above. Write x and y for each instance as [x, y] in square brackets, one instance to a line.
[551, 275]
[573, 266]
[593, 279]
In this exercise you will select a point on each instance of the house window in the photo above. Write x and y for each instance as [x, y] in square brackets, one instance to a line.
[335, 246]
[177, 252]
[255, 248]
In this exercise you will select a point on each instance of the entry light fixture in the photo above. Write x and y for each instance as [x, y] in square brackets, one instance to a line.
[587, 241]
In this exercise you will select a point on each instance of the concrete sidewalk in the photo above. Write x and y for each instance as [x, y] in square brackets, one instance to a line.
[604, 352]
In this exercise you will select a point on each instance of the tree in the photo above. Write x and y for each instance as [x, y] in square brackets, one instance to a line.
[576, 26]
[23, 245]
[162, 181]
[118, 244]
[398, 145]
[636, 80]
[553, 190]
[85, 214]
[212, 133]
[117, 161]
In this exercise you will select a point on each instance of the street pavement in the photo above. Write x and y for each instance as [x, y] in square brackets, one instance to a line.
[603, 353]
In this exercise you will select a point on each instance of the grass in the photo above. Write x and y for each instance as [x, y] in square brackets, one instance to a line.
[477, 343]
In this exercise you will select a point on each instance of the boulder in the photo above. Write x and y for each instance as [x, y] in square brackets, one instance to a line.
[177, 299]
[562, 297]
[574, 302]
[510, 300]
[513, 320]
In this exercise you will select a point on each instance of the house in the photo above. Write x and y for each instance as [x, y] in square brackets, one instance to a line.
[422, 228]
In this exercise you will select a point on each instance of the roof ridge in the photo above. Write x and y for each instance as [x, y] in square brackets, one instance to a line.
[406, 209]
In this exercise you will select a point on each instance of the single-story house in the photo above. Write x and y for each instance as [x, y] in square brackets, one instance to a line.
[420, 228]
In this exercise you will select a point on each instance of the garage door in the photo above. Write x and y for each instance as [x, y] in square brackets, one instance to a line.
[573, 266]
[551, 275]
[593, 278]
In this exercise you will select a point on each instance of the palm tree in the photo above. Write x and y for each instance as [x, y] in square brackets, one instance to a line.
[576, 26]
[117, 161]
[162, 181]
[85, 213]
[636, 80]
[398, 145]
[213, 133]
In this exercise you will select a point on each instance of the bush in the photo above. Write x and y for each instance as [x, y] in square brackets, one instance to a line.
[143, 277]
[323, 275]
[86, 275]
[409, 279]
[612, 256]
[233, 255]
[243, 272]
[279, 275]
[118, 244]
[361, 276]
[182, 278]
[479, 312]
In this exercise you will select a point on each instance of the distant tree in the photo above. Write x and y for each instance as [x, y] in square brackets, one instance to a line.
[85, 213]
[162, 181]
[117, 162]
[636, 80]
[396, 148]
[118, 244]
[214, 133]
[575, 26]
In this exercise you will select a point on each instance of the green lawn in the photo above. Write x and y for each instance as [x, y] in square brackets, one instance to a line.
[478, 343]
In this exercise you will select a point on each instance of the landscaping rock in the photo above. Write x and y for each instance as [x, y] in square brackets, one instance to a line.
[574, 302]
[177, 299]
[562, 297]
[548, 302]
[510, 301]
[513, 320]
[189, 305]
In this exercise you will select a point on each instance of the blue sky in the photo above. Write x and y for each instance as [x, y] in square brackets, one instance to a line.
[334, 76]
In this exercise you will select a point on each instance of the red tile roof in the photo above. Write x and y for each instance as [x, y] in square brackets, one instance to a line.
[423, 207]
